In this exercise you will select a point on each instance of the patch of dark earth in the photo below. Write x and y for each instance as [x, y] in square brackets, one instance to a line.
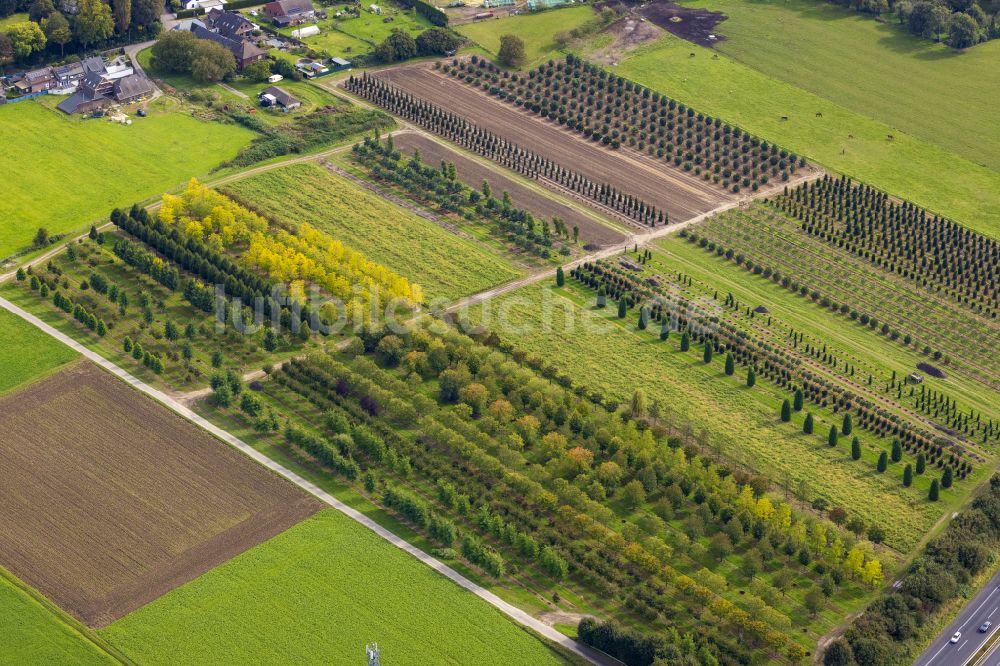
[694, 25]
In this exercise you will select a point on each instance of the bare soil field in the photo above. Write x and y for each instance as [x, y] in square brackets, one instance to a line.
[682, 196]
[694, 25]
[473, 173]
[110, 500]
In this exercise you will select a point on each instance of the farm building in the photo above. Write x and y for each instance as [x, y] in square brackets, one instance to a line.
[97, 90]
[275, 96]
[207, 5]
[538, 5]
[284, 13]
[339, 64]
[230, 24]
[493, 4]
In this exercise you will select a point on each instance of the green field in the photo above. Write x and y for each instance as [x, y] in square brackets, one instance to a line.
[317, 594]
[445, 265]
[34, 633]
[66, 172]
[27, 352]
[872, 68]
[6, 23]
[839, 138]
[537, 31]
[608, 354]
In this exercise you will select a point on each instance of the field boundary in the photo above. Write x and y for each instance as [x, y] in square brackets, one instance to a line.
[518, 615]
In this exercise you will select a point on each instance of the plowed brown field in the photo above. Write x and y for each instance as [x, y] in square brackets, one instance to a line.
[473, 173]
[109, 500]
[681, 195]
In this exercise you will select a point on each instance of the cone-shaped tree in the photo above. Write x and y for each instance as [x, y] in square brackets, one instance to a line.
[883, 462]
[730, 365]
[685, 342]
[934, 491]
[807, 427]
[856, 449]
[664, 331]
[560, 277]
[621, 308]
[897, 451]
[602, 299]
[798, 400]
[831, 439]
[848, 426]
[751, 377]
[786, 411]
[707, 357]
[946, 478]
[921, 463]
[908, 475]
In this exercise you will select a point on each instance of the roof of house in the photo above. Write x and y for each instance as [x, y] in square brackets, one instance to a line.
[241, 49]
[73, 103]
[290, 7]
[283, 98]
[132, 86]
[93, 64]
[282, 21]
[340, 62]
[227, 23]
[38, 75]
[69, 71]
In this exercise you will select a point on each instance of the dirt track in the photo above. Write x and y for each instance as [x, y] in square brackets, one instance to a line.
[473, 173]
[109, 500]
[681, 195]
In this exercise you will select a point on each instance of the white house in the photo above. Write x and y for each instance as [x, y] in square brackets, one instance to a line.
[207, 5]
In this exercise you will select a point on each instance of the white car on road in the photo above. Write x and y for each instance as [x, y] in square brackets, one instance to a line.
[957, 637]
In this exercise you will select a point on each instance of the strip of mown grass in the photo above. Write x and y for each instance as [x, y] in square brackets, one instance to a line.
[824, 131]
[67, 172]
[742, 424]
[318, 593]
[35, 632]
[444, 264]
[27, 353]
[874, 68]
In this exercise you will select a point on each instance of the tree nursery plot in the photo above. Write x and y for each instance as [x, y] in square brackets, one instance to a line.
[828, 133]
[68, 172]
[35, 633]
[321, 591]
[445, 265]
[112, 500]
[633, 187]
[734, 421]
[538, 202]
[27, 353]
[873, 68]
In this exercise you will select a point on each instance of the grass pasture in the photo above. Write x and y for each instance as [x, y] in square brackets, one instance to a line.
[537, 30]
[318, 593]
[445, 265]
[35, 632]
[68, 172]
[822, 130]
[741, 424]
[345, 37]
[27, 353]
[115, 459]
[872, 68]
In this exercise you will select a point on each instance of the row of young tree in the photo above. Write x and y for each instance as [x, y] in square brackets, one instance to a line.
[442, 187]
[506, 448]
[672, 312]
[615, 111]
[74, 25]
[484, 142]
[944, 410]
[901, 238]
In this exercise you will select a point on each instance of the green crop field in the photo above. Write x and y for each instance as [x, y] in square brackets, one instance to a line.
[66, 172]
[445, 265]
[602, 352]
[36, 633]
[537, 30]
[824, 131]
[27, 353]
[874, 69]
[318, 593]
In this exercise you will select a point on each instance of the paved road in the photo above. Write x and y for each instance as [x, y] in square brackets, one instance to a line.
[984, 606]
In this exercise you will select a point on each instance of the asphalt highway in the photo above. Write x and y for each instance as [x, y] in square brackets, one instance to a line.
[983, 607]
